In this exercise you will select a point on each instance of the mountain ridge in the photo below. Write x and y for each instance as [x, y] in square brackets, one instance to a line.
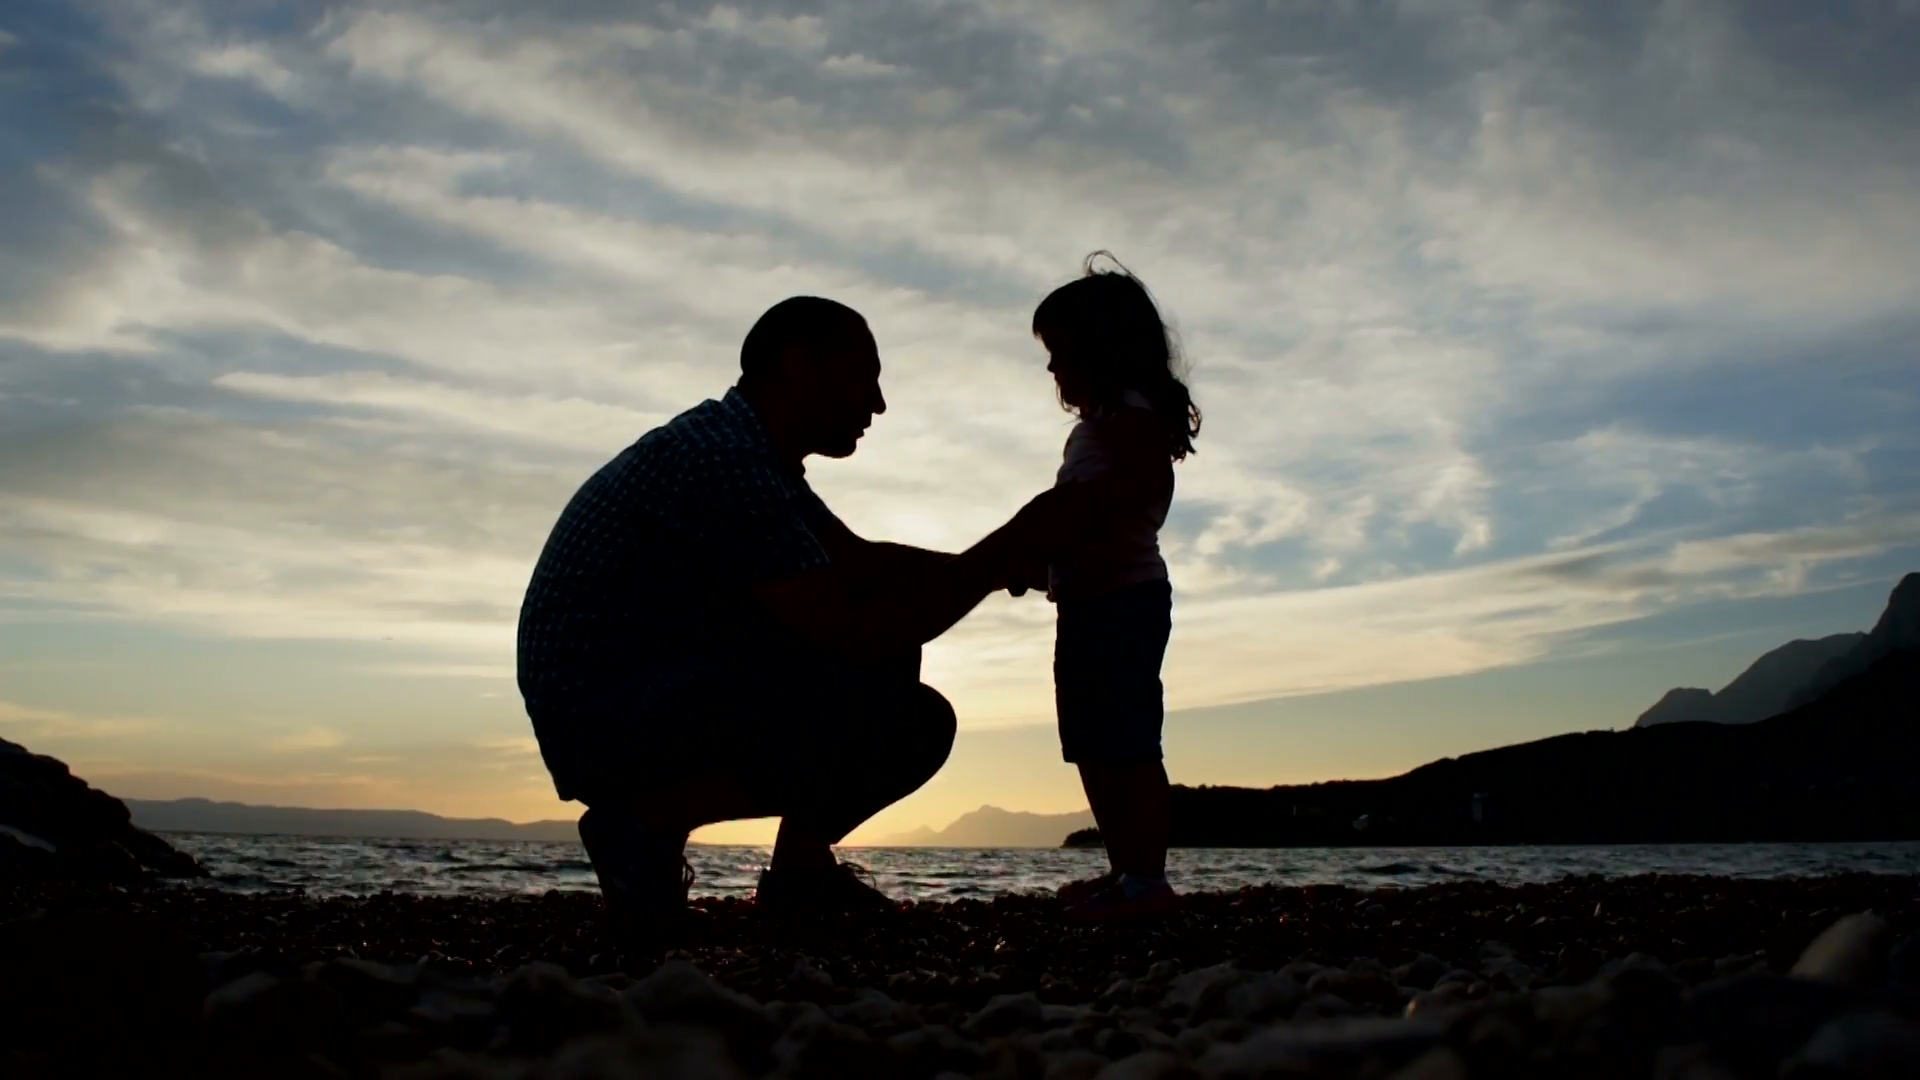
[993, 827]
[1766, 688]
[217, 816]
[1799, 672]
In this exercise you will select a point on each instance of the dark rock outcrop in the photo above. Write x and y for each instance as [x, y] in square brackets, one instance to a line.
[1766, 688]
[54, 825]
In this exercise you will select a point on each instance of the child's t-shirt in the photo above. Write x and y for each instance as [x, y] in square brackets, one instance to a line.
[1129, 552]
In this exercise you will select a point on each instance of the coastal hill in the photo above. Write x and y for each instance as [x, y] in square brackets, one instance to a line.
[1798, 672]
[1844, 766]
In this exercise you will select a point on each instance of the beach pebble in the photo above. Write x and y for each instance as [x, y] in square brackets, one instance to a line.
[1506, 973]
[1869, 1045]
[1633, 961]
[1358, 987]
[1756, 1019]
[1494, 950]
[455, 1019]
[679, 993]
[833, 1049]
[1324, 1007]
[870, 1008]
[808, 980]
[1440, 1063]
[1690, 1061]
[1853, 951]
[1075, 1065]
[1903, 963]
[1263, 996]
[542, 1006]
[1448, 997]
[1313, 1049]
[370, 990]
[271, 1012]
[1118, 994]
[1421, 972]
[1199, 995]
[1004, 1013]
[935, 1049]
[1149, 1065]
[651, 1055]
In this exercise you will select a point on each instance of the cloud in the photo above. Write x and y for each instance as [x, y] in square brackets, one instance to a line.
[1510, 325]
[316, 738]
[28, 724]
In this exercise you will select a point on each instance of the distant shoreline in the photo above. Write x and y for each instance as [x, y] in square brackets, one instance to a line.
[1035, 847]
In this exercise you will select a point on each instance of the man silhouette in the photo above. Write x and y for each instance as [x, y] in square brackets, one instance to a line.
[703, 641]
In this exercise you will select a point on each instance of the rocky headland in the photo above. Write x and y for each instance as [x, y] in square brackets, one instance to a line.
[55, 826]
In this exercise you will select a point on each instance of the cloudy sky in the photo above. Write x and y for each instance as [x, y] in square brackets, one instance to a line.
[1552, 353]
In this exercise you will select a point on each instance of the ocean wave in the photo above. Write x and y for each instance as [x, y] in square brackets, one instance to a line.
[1400, 869]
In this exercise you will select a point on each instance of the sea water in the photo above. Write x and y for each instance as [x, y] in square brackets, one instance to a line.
[340, 866]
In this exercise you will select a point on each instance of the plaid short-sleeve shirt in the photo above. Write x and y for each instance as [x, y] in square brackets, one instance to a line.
[641, 593]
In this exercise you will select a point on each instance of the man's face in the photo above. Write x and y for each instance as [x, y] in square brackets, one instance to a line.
[843, 392]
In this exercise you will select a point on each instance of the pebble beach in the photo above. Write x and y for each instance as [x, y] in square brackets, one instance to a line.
[1650, 976]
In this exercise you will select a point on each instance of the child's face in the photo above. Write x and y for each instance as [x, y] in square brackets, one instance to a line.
[1069, 372]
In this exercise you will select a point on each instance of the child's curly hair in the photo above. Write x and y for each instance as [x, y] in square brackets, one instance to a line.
[1110, 313]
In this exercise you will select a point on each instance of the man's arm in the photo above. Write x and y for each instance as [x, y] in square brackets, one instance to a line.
[881, 600]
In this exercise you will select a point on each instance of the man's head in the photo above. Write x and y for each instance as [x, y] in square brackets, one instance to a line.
[814, 363]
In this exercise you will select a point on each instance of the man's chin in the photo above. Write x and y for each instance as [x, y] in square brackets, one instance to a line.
[841, 450]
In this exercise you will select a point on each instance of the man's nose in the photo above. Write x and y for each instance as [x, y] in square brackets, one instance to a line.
[879, 402]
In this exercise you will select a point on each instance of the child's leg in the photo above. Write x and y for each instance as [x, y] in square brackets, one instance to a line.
[1108, 694]
[1130, 803]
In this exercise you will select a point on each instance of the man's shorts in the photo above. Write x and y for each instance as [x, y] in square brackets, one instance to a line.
[777, 717]
[1106, 673]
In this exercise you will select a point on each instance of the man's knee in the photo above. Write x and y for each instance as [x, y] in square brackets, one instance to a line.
[930, 728]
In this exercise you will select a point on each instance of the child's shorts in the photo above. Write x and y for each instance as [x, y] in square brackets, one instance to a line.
[1106, 673]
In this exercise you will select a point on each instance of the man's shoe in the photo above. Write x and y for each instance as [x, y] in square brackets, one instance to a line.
[1075, 892]
[842, 889]
[644, 874]
[1126, 900]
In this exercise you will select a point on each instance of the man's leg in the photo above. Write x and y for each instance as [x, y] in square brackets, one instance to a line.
[823, 745]
[886, 743]
[860, 745]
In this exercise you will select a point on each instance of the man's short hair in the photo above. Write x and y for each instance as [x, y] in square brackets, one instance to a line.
[810, 322]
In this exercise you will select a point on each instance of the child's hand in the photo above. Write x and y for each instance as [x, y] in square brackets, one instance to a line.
[1025, 574]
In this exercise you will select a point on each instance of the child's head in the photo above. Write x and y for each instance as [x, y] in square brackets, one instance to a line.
[1105, 336]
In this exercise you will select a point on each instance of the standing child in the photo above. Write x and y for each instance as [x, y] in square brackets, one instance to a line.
[1118, 370]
